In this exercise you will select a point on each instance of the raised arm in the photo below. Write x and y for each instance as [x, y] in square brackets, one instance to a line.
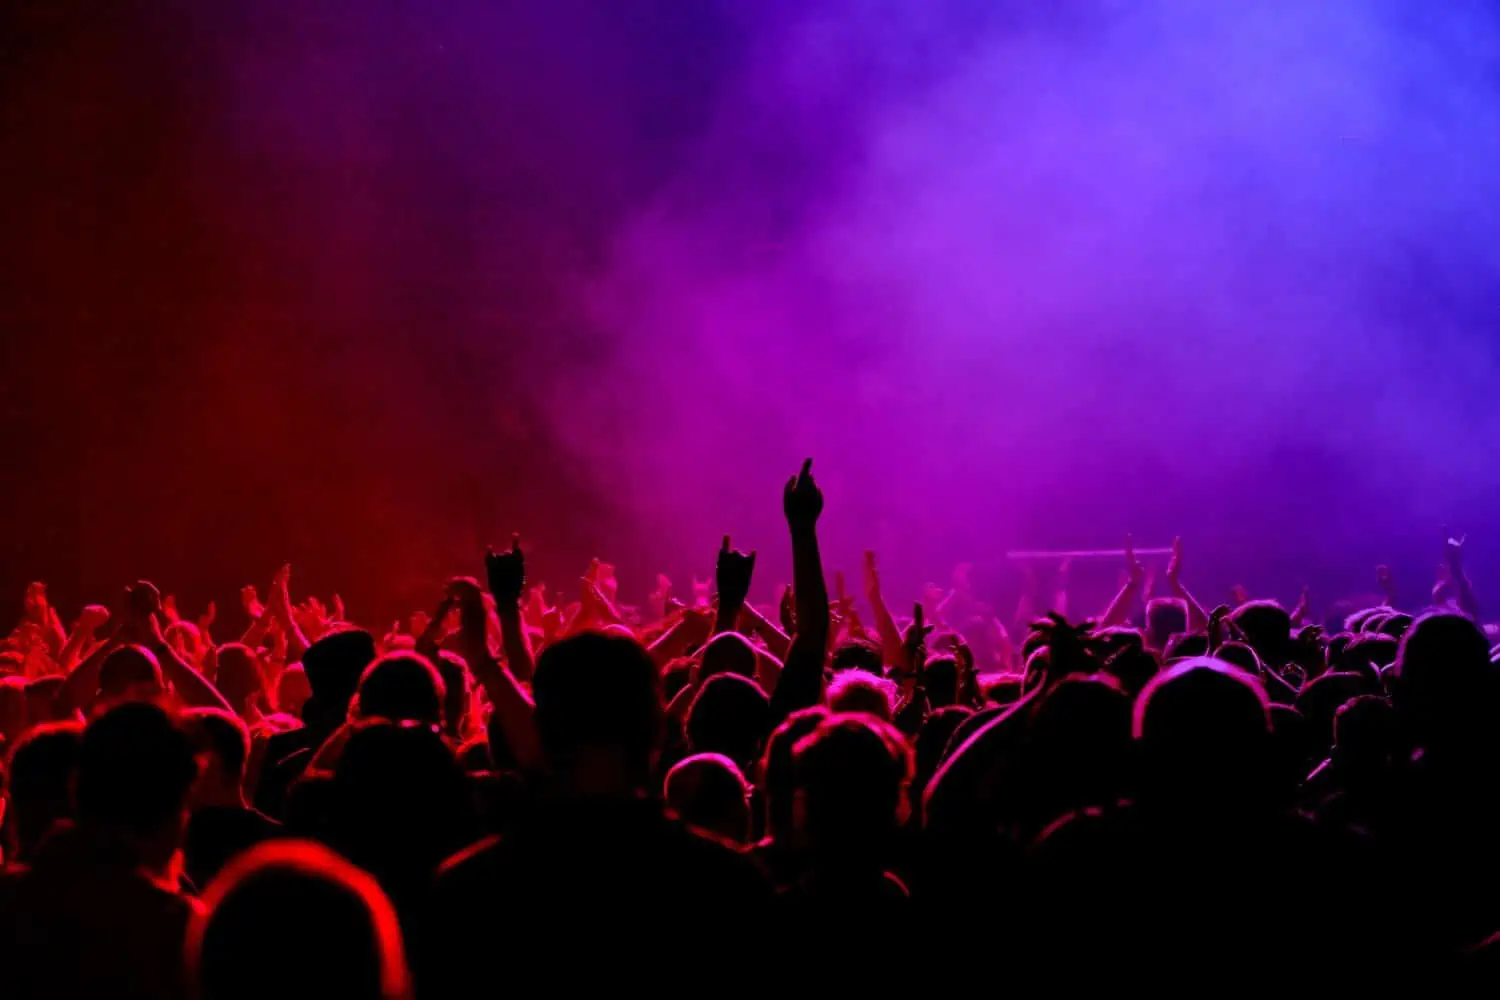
[512, 708]
[1453, 552]
[279, 606]
[1135, 581]
[1197, 617]
[801, 683]
[507, 579]
[732, 575]
[885, 625]
[195, 690]
[93, 618]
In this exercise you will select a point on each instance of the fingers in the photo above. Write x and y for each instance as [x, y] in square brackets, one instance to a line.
[515, 542]
[725, 547]
[806, 473]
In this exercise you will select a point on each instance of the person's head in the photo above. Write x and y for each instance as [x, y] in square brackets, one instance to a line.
[598, 713]
[707, 791]
[130, 673]
[730, 715]
[856, 654]
[1321, 697]
[457, 689]
[135, 769]
[1002, 689]
[858, 691]
[402, 687]
[932, 745]
[1077, 752]
[851, 777]
[1267, 627]
[334, 664]
[1367, 654]
[306, 921]
[777, 778]
[292, 690]
[1238, 654]
[1165, 617]
[728, 653]
[1294, 752]
[39, 785]
[1187, 646]
[1203, 729]
[239, 677]
[222, 744]
[186, 640]
[940, 680]
[1132, 668]
[399, 802]
[1365, 732]
[1444, 684]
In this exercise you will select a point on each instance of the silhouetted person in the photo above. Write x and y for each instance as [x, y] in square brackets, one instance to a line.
[730, 715]
[779, 849]
[596, 843]
[294, 920]
[39, 775]
[333, 665]
[221, 824]
[92, 916]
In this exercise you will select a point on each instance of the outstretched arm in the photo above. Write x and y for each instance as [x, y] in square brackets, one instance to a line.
[885, 625]
[513, 709]
[1197, 617]
[507, 579]
[1453, 551]
[1135, 581]
[801, 683]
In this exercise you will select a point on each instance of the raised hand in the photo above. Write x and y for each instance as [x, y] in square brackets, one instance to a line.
[732, 575]
[169, 608]
[1453, 550]
[34, 605]
[914, 641]
[250, 601]
[336, 609]
[506, 572]
[207, 618]
[1174, 565]
[91, 620]
[802, 500]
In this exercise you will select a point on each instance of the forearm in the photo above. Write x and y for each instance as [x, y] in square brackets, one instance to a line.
[727, 616]
[777, 641]
[885, 628]
[1197, 618]
[515, 641]
[195, 690]
[512, 708]
[1119, 608]
[801, 682]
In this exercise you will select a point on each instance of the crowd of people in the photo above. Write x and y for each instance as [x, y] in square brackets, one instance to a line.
[702, 793]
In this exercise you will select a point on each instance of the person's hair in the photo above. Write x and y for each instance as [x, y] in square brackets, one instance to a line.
[399, 802]
[931, 745]
[1237, 654]
[856, 654]
[858, 691]
[134, 769]
[1002, 689]
[128, 670]
[851, 773]
[708, 791]
[305, 920]
[334, 665]
[1187, 646]
[1165, 617]
[402, 687]
[1133, 668]
[598, 692]
[1267, 627]
[40, 770]
[1204, 730]
[1078, 754]
[239, 678]
[940, 680]
[777, 777]
[12, 706]
[1444, 683]
[1367, 653]
[1365, 726]
[222, 734]
[729, 715]
[728, 653]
